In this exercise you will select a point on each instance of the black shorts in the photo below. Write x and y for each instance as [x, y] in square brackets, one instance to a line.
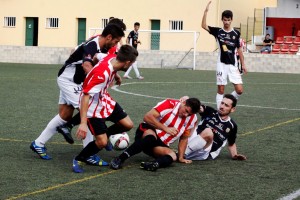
[139, 134]
[97, 126]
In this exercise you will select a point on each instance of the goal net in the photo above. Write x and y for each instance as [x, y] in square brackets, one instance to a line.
[164, 49]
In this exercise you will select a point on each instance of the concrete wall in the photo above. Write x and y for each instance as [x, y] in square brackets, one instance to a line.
[156, 59]
[68, 12]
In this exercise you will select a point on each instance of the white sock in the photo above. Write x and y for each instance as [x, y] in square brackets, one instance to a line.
[128, 71]
[49, 131]
[137, 73]
[236, 95]
[219, 98]
[195, 144]
[88, 138]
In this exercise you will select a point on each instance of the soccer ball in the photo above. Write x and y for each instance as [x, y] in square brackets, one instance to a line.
[119, 141]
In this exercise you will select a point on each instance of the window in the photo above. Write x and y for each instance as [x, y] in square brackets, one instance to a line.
[9, 21]
[104, 22]
[176, 25]
[52, 22]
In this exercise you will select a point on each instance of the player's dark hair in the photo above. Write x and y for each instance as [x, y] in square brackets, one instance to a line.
[136, 24]
[232, 98]
[127, 53]
[227, 14]
[118, 22]
[268, 34]
[194, 104]
[114, 30]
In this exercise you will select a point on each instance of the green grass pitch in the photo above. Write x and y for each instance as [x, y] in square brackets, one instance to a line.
[268, 115]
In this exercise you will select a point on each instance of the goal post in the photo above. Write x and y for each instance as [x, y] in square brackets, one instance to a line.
[163, 48]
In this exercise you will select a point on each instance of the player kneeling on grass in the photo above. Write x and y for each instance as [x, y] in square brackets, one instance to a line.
[167, 122]
[97, 106]
[213, 132]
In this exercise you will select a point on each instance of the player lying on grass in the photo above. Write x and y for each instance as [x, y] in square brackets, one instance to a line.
[215, 129]
[97, 106]
[167, 122]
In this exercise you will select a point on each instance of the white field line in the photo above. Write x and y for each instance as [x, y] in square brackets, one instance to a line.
[291, 196]
[116, 88]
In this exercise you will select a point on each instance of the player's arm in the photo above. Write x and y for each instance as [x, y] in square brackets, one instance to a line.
[240, 52]
[87, 63]
[234, 154]
[182, 146]
[83, 128]
[151, 118]
[204, 24]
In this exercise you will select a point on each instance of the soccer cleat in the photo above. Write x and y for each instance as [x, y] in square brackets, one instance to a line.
[127, 77]
[41, 151]
[109, 146]
[149, 166]
[116, 163]
[66, 132]
[77, 166]
[96, 160]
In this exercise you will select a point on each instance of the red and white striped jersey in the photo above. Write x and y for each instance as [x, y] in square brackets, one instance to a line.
[168, 110]
[101, 104]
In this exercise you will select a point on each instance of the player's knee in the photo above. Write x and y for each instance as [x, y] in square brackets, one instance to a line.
[239, 91]
[207, 135]
[173, 155]
[100, 143]
[128, 125]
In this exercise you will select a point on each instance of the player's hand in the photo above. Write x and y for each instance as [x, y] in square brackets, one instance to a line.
[184, 98]
[82, 131]
[244, 69]
[118, 79]
[182, 160]
[239, 157]
[87, 67]
[207, 7]
[172, 131]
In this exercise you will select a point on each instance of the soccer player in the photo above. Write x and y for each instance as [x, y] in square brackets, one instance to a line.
[228, 41]
[133, 40]
[65, 129]
[70, 79]
[97, 106]
[213, 131]
[167, 122]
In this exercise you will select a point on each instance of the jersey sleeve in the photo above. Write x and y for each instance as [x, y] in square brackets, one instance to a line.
[93, 82]
[238, 44]
[89, 49]
[130, 35]
[164, 105]
[232, 135]
[208, 111]
[213, 30]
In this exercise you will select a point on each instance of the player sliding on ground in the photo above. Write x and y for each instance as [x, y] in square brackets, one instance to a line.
[167, 122]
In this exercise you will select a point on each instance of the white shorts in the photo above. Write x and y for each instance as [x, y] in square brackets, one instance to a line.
[201, 154]
[69, 91]
[232, 72]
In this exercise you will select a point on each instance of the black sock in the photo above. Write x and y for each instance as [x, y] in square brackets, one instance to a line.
[138, 146]
[115, 129]
[132, 150]
[74, 121]
[86, 152]
[164, 161]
